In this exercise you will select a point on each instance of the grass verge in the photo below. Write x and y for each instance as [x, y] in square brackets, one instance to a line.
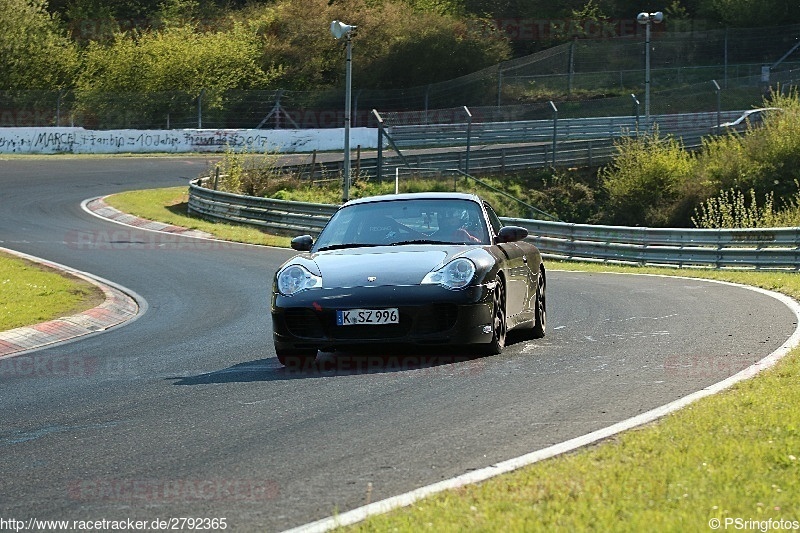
[32, 293]
[169, 205]
[733, 456]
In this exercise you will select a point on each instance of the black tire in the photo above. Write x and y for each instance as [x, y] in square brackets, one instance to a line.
[296, 358]
[540, 307]
[499, 324]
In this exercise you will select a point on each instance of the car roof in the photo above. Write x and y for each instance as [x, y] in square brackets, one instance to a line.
[418, 196]
[746, 115]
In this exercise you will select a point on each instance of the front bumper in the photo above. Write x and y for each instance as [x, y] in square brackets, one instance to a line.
[429, 315]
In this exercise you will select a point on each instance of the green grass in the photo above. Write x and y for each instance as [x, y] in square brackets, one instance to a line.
[732, 455]
[169, 206]
[31, 293]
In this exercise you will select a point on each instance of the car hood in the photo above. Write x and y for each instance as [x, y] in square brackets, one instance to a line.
[357, 267]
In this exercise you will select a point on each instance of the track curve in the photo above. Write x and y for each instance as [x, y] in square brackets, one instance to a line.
[186, 412]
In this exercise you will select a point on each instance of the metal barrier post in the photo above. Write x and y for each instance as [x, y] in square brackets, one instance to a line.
[555, 130]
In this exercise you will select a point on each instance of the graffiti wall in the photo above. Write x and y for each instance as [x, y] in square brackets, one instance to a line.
[57, 140]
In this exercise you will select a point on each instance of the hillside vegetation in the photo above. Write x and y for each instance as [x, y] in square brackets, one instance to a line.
[166, 45]
[148, 53]
[735, 180]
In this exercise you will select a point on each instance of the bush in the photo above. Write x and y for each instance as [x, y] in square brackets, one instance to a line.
[142, 78]
[648, 181]
[735, 209]
[569, 198]
[241, 172]
[765, 158]
[653, 181]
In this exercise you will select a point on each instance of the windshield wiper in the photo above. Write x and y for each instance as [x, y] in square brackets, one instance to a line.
[345, 245]
[420, 241]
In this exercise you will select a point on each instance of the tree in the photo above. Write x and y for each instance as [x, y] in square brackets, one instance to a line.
[35, 52]
[394, 45]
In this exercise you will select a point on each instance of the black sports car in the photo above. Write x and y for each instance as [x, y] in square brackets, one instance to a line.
[419, 269]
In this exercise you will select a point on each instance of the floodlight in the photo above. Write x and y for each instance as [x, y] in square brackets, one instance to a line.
[644, 18]
[340, 29]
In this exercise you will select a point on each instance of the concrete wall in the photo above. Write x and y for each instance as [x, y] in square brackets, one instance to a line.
[58, 140]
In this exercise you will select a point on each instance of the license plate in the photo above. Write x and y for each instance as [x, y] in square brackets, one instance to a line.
[354, 317]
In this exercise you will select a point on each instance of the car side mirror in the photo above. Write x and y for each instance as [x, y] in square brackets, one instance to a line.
[303, 243]
[511, 234]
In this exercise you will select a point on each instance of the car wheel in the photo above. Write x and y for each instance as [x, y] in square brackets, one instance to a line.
[540, 307]
[499, 325]
[296, 358]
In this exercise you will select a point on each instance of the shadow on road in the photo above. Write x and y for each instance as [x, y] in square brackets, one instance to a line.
[439, 360]
[338, 364]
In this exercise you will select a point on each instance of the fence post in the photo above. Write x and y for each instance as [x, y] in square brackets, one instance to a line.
[313, 165]
[555, 130]
[427, 93]
[571, 64]
[58, 107]
[719, 105]
[725, 74]
[469, 138]
[355, 108]
[636, 111]
[200, 109]
[499, 82]
[379, 170]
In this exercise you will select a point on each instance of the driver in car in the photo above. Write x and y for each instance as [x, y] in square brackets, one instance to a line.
[451, 229]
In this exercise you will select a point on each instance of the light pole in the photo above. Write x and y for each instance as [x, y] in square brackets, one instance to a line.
[339, 30]
[647, 19]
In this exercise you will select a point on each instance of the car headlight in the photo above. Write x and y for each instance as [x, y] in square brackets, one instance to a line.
[295, 278]
[454, 275]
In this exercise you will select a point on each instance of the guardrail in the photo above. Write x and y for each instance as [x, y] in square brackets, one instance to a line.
[764, 248]
[277, 215]
[530, 144]
[491, 159]
[566, 129]
[760, 248]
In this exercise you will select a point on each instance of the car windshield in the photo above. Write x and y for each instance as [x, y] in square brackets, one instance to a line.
[408, 221]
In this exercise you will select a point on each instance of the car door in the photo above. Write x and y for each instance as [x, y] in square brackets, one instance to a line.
[516, 267]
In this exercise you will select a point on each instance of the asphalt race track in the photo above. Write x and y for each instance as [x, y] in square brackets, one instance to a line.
[187, 413]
